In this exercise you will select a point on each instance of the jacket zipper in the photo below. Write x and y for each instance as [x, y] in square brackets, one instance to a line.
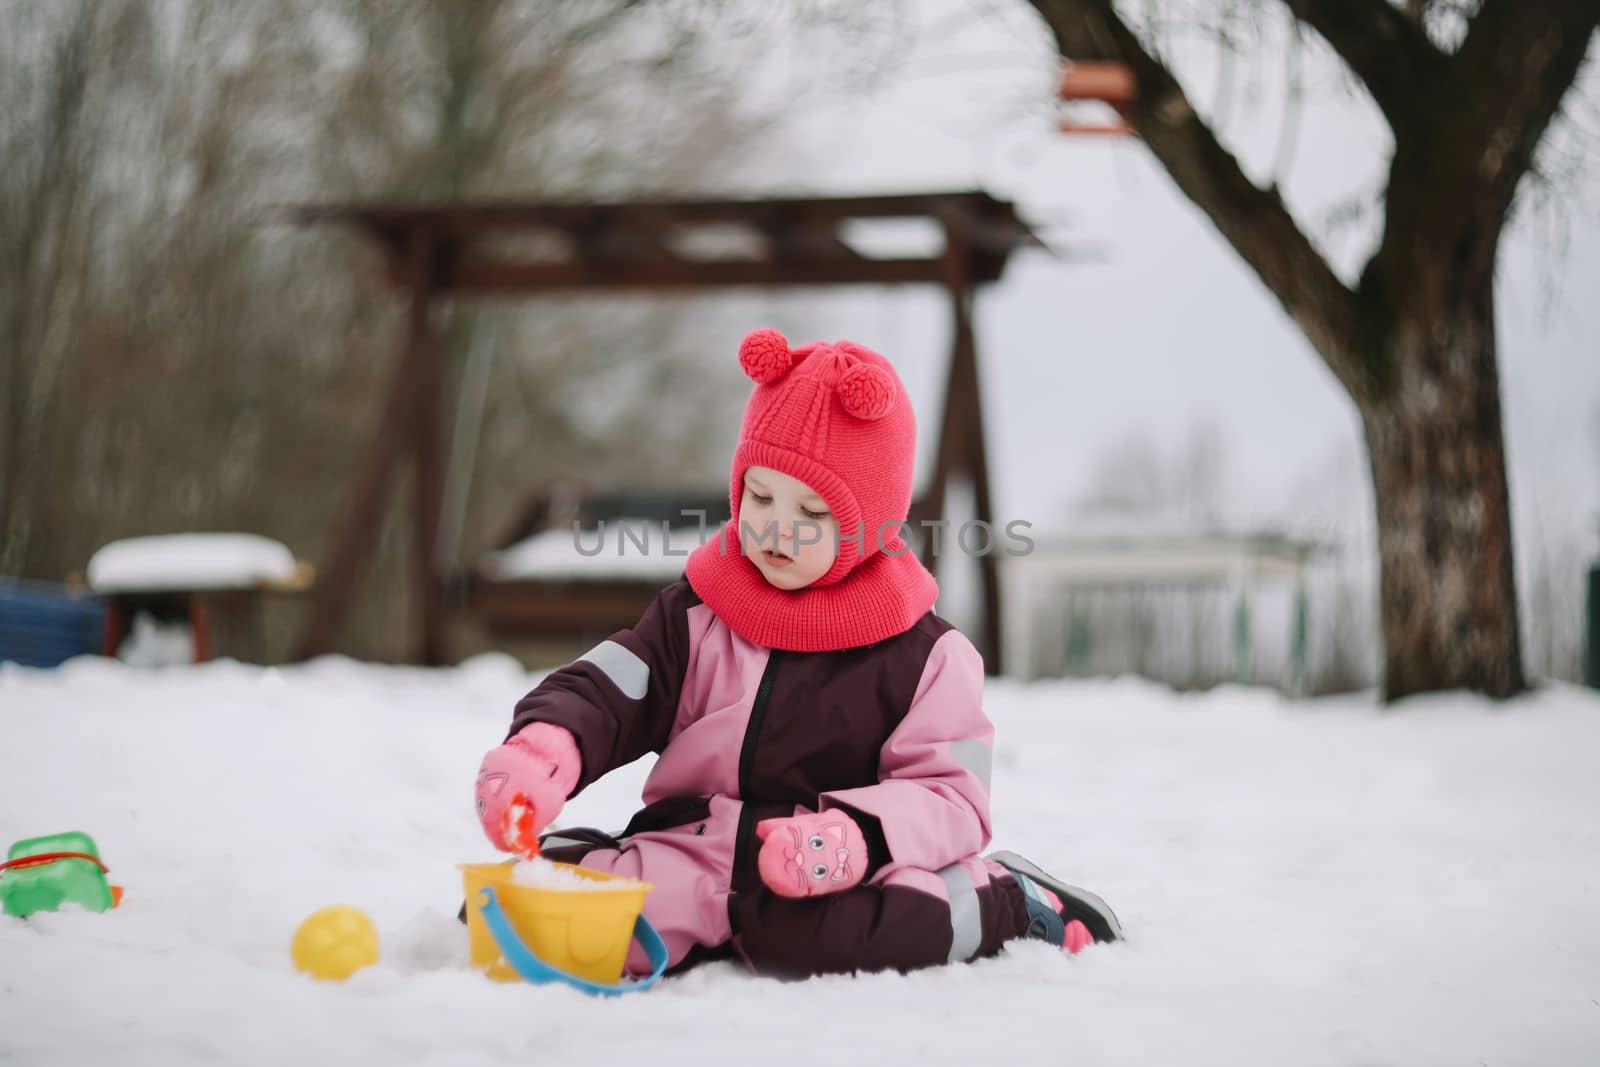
[758, 714]
[743, 859]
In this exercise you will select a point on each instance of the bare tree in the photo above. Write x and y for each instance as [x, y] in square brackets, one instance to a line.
[1468, 92]
[173, 357]
[49, 144]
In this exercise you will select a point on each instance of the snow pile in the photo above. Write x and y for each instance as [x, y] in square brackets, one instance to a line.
[156, 644]
[190, 561]
[542, 874]
[1316, 884]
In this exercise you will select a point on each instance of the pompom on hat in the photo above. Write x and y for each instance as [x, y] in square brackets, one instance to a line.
[837, 417]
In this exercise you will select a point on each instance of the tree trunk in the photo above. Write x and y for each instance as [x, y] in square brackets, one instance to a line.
[1447, 590]
[1414, 343]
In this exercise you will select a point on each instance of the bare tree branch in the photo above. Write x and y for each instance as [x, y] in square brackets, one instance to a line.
[1453, 178]
[1388, 51]
[1518, 60]
[1254, 220]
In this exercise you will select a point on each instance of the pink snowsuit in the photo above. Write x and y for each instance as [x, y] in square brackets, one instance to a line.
[892, 732]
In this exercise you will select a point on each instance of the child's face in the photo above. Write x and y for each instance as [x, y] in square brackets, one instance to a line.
[788, 531]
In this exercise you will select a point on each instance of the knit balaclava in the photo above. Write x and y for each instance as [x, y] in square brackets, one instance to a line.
[837, 417]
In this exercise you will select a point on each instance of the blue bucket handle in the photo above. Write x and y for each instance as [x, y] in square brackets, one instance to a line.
[532, 968]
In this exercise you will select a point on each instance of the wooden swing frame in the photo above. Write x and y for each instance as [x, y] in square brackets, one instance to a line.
[458, 250]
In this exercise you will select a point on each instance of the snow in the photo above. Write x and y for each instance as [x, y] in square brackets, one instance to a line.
[157, 644]
[539, 873]
[1314, 883]
[190, 561]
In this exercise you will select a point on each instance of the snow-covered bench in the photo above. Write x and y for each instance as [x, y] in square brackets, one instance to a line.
[547, 580]
[157, 589]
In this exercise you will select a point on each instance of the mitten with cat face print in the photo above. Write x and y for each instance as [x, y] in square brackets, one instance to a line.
[808, 855]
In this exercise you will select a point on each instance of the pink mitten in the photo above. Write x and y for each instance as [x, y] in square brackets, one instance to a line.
[523, 783]
[807, 855]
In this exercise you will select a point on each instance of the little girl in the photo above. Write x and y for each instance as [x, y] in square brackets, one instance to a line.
[821, 798]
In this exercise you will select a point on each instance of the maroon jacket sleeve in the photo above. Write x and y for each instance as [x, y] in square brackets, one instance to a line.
[619, 698]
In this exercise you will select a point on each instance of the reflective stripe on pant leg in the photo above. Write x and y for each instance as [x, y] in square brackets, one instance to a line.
[899, 923]
[966, 918]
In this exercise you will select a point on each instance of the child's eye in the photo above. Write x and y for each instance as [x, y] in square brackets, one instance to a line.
[814, 514]
[758, 498]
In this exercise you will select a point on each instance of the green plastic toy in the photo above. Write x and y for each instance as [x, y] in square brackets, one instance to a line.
[43, 873]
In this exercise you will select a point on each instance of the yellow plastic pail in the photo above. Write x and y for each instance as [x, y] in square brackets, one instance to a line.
[585, 933]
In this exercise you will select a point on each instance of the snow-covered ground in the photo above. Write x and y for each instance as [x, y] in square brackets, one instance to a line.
[1321, 883]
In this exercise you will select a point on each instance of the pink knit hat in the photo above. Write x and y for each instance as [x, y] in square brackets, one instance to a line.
[837, 417]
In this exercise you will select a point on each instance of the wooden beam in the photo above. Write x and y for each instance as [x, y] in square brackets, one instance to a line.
[489, 276]
[462, 219]
[818, 244]
[440, 248]
[365, 512]
[428, 570]
[629, 245]
[796, 234]
[961, 440]
[531, 606]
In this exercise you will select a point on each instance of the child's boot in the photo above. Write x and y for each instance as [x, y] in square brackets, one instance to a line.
[1057, 912]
